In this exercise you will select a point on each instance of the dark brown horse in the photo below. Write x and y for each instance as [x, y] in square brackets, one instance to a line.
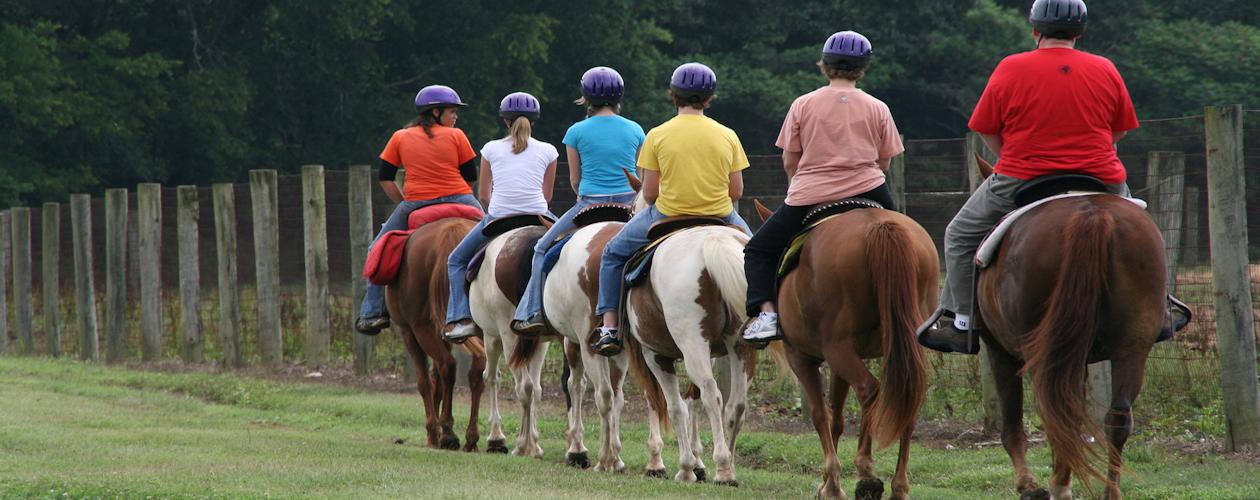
[417, 304]
[865, 280]
[1075, 281]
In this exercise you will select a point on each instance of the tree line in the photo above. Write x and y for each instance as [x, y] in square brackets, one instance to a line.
[109, 93]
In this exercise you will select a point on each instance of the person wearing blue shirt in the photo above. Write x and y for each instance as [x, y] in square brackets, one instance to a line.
[599, 149]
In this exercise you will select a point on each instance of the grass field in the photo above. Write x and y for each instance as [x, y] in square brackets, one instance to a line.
[69, 429]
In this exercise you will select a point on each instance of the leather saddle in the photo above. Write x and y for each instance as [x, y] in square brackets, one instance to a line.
[816, 216]
[498, 227]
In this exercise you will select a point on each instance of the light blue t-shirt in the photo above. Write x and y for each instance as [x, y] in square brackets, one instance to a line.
[606, 145]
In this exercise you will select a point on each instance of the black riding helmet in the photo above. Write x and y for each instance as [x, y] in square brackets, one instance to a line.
[1062, 19]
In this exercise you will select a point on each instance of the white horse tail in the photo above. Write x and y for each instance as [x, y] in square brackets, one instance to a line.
[723, 251]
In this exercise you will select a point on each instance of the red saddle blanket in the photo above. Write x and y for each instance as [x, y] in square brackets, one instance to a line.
[385, 257]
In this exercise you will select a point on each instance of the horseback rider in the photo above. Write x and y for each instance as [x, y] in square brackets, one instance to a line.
[517, 176]
[691, 166]
[837, 142]
[439, 163]
[598, 148]
[1051, 110]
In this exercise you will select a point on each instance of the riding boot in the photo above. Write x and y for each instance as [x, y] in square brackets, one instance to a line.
[372, 326]
[945, 337]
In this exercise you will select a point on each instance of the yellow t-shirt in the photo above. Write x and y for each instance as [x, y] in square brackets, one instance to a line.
[695, 156]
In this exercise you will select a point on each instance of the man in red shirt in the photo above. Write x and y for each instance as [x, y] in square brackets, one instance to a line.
[1051, 110]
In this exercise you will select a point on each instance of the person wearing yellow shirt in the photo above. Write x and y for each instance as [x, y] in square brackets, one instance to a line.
[691, 166]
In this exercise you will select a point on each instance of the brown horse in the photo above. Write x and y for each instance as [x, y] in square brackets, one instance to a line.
[417, 304]
[865, 280]
[1075, 281]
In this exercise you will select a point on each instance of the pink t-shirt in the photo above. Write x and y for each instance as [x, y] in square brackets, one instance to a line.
[840, 133]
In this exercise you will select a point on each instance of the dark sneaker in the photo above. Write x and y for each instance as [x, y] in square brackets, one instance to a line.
[457, 333]
[371, 326]
[947, 338]
[608, 343]
[532, 327]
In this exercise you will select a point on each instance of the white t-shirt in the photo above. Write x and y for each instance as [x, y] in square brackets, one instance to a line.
[518, 178]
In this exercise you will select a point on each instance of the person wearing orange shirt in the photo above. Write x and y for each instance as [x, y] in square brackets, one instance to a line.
[440, 168]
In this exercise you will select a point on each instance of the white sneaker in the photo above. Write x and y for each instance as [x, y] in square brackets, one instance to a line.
[763, 328]
[460, 332]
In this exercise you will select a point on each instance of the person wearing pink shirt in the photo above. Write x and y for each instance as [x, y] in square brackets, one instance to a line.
[837, 142]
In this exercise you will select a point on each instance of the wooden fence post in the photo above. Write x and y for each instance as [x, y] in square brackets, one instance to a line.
[1191, 235]
[1227, 226]
[229, 304]
[359, 187]
[188, 215]
[988, 387]
[84, 283]
[23, 308]
[897, 179]
[314, 220]
[149, 233]
[115, 275]
[5, 231]
[264, 200]
[51, 281]
[1166, 181]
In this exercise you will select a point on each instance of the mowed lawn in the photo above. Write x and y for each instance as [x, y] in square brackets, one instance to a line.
[70, 429]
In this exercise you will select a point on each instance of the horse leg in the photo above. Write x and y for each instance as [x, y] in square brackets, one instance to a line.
[421, 364]
[901, 479]
[1127, 370]
[655, 444]
[618, 369]
[601, 384]
[576, 455]
[497, 442]
[806, 371]
[679, 414]
[533, 393]
[444, 364]
[838, 394]
[697, 445]
[845, 363]
[700, 369]
[1010, 389]
[737, 400]
[476, 384]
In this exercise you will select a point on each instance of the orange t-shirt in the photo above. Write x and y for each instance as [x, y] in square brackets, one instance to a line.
[841, 134]
[432, 163]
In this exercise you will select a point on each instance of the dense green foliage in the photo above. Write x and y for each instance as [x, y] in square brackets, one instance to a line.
[100, 94]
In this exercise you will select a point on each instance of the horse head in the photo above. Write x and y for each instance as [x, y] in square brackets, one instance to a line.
[762, 211]
[637, 185]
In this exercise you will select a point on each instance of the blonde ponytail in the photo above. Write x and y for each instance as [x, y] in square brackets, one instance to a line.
[520, 132]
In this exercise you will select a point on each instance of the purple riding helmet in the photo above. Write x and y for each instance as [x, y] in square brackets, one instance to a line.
[519, 104]
[602, 86]
[847, 50]
[1063, 19]
[437, 96]
[693, 82]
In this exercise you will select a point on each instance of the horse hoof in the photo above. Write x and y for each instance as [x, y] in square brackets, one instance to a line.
[579, 460]
[1037, 494]
[449, 443]
[729, 482]
[657, 473]
[869, 489]
[701, 475]
[470, 447]
[496, 446]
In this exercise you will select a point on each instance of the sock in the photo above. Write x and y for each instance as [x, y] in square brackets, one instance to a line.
[769, 315]
[962, 322]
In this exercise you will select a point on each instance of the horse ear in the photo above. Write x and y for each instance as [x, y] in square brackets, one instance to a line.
[985, 168]
[762, 211]
[635, 183]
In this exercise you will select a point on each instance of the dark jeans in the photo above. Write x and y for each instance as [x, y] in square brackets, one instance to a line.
[761, 256]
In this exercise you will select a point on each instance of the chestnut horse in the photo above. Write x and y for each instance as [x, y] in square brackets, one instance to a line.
[417, 305]
[865, 281]
[1076, 280]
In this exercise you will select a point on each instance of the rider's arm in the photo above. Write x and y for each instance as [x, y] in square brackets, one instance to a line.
[791, 160]
[651, 185]
[1116, 135]
[737, 185]
[575, 167]
[883, 163]
[387, 176]
[549, 181]
[994, 143]
[486, 184]
[469, 171]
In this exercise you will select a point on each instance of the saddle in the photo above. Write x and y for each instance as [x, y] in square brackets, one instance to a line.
[498, 227]
[814, 218]
[593, 214]
[383, 261]
[640, 263]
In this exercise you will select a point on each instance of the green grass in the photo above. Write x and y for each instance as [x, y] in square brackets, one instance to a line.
[80, 430]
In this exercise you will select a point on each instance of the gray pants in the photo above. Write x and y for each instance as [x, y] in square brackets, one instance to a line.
[992, 200]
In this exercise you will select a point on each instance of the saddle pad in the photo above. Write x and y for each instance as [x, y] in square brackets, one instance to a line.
[474, 266]
[553, 254]
[670, 225]
[792, 255]
[383, 261]
[640, 263]
[988, 248]
[425, 215]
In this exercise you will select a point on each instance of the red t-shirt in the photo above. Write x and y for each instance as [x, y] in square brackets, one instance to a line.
[432, 163]
[1055, 110]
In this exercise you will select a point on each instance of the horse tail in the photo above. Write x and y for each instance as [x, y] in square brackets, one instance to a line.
[525, 349]
[894, 273]
[474, 347]
[644, 376]
[447, 237]
[724, 260]
[1058, 347]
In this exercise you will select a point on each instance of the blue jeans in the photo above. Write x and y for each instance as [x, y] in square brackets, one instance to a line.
[374, 299]
[629, 240]
[457, 308]
[532, 302]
